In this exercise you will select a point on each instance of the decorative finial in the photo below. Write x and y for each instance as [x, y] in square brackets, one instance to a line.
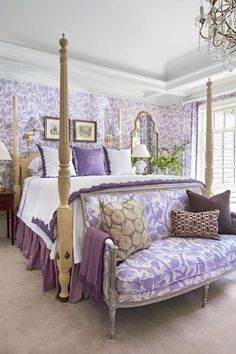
[63, 41]
[209, 83]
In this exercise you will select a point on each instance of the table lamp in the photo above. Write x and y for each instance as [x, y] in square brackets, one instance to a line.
[140, 151]
[4, 156]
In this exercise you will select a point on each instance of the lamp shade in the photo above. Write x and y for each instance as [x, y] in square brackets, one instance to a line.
[140, 150]
[4, 154]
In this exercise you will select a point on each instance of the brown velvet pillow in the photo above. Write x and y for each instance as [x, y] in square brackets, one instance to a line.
[220, 201]
[189, 224]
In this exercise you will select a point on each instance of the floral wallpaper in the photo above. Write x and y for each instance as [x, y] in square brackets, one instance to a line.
[175, 123]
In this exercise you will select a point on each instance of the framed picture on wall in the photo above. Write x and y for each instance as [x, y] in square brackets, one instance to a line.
[85, 131]
[51, 128]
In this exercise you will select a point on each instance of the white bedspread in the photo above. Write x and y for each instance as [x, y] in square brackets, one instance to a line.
[40, 199]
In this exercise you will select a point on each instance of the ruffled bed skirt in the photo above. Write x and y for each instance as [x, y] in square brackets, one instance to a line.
[38, 255]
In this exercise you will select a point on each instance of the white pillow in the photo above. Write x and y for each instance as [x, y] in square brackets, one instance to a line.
[119, 162]
[50, 162]
[35, 167]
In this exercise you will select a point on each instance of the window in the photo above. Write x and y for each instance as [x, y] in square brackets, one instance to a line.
[224, 148]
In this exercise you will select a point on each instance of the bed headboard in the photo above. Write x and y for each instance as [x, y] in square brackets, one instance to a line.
[20, 172]
[24, 162]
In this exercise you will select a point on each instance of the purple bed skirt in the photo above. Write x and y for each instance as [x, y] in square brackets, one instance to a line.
[38, 255]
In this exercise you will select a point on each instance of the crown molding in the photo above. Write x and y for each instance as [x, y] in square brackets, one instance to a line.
[31, 65]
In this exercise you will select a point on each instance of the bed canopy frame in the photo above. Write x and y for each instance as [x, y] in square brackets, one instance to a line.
[63, 230]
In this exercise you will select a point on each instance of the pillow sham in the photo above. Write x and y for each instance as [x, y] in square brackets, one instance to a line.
[126, 224]
[88, 162]
[220, 201]
[118, 162]
[35, 167]
[189, 224]
[50, 162]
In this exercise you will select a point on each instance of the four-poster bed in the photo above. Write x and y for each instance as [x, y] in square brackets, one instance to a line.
[64, 217]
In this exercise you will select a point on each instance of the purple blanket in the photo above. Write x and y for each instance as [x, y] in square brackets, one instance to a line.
[91, 268]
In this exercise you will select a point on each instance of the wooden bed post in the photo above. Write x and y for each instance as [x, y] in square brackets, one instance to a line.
[64, 212]
[15, 156]
[209, 143]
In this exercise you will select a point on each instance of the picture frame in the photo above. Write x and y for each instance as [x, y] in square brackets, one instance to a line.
[85, 131]
[51, 128]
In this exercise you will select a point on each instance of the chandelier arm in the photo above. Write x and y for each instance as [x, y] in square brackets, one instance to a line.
[230, 28]
[200, 31]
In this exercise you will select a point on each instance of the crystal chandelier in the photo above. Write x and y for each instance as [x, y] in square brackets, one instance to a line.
[218, 28]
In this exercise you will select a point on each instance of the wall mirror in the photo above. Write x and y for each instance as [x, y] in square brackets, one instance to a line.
[144, 132]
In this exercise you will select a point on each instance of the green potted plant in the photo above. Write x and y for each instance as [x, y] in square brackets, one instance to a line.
[169, 160]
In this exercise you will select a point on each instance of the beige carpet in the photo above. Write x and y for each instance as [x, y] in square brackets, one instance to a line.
[32, 321]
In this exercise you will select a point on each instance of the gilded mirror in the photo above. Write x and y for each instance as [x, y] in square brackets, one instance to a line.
[144, 132]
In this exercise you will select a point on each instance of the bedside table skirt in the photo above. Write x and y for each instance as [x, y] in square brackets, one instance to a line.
[35, 250]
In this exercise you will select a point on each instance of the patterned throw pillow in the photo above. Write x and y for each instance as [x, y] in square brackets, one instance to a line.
[189, 224]
[127, 225]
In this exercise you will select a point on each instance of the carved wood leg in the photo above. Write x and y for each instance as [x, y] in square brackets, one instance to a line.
[12, 226]
[8, 227]
[204, 295]
[112, 316]
[64, 281]
[64, 250]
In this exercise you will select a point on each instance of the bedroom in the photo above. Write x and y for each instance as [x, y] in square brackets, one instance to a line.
[130, 87]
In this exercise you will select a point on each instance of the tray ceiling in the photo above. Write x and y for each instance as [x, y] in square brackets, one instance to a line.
[151, 39]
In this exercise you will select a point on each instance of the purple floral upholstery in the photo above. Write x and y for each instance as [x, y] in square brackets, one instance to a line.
[157, 205]
[172, 261]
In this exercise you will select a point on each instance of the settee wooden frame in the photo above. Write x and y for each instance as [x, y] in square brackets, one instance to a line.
[63, 230]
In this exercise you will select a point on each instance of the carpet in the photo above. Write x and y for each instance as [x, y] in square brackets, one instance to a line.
[34, 322]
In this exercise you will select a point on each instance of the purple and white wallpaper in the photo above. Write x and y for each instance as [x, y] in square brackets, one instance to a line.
[175, 123]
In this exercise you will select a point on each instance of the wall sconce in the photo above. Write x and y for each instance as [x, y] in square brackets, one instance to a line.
[32, 128]
[108, 138]
[115, 132]
[28, 137]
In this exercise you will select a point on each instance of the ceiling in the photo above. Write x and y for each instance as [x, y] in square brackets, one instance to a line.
[135, 48]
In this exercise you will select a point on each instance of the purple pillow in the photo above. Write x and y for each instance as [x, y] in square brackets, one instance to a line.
[88, 162]
[220, 201]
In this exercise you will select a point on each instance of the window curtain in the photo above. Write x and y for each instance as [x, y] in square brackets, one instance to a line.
[190, 134]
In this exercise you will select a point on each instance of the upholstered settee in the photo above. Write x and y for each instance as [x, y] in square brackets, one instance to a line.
[170, 266]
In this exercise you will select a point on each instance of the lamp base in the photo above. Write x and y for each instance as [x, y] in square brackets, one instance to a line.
[1, 189]
[140, 166]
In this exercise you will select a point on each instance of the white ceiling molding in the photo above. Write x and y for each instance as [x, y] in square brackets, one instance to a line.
[31, 65]
[229, 102]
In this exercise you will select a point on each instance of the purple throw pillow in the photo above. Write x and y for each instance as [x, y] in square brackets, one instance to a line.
[88, 162]
[220, 201]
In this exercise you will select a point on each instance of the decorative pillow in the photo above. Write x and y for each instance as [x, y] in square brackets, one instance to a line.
[220, 201]
[188, 224]
[35, 167]
[118, 162]
[50, 162]
[127, 225]
[88, 161]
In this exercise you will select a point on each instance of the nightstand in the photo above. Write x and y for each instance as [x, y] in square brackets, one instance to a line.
[7, 204]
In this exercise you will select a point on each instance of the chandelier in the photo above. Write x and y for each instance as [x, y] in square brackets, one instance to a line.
[218, 28]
